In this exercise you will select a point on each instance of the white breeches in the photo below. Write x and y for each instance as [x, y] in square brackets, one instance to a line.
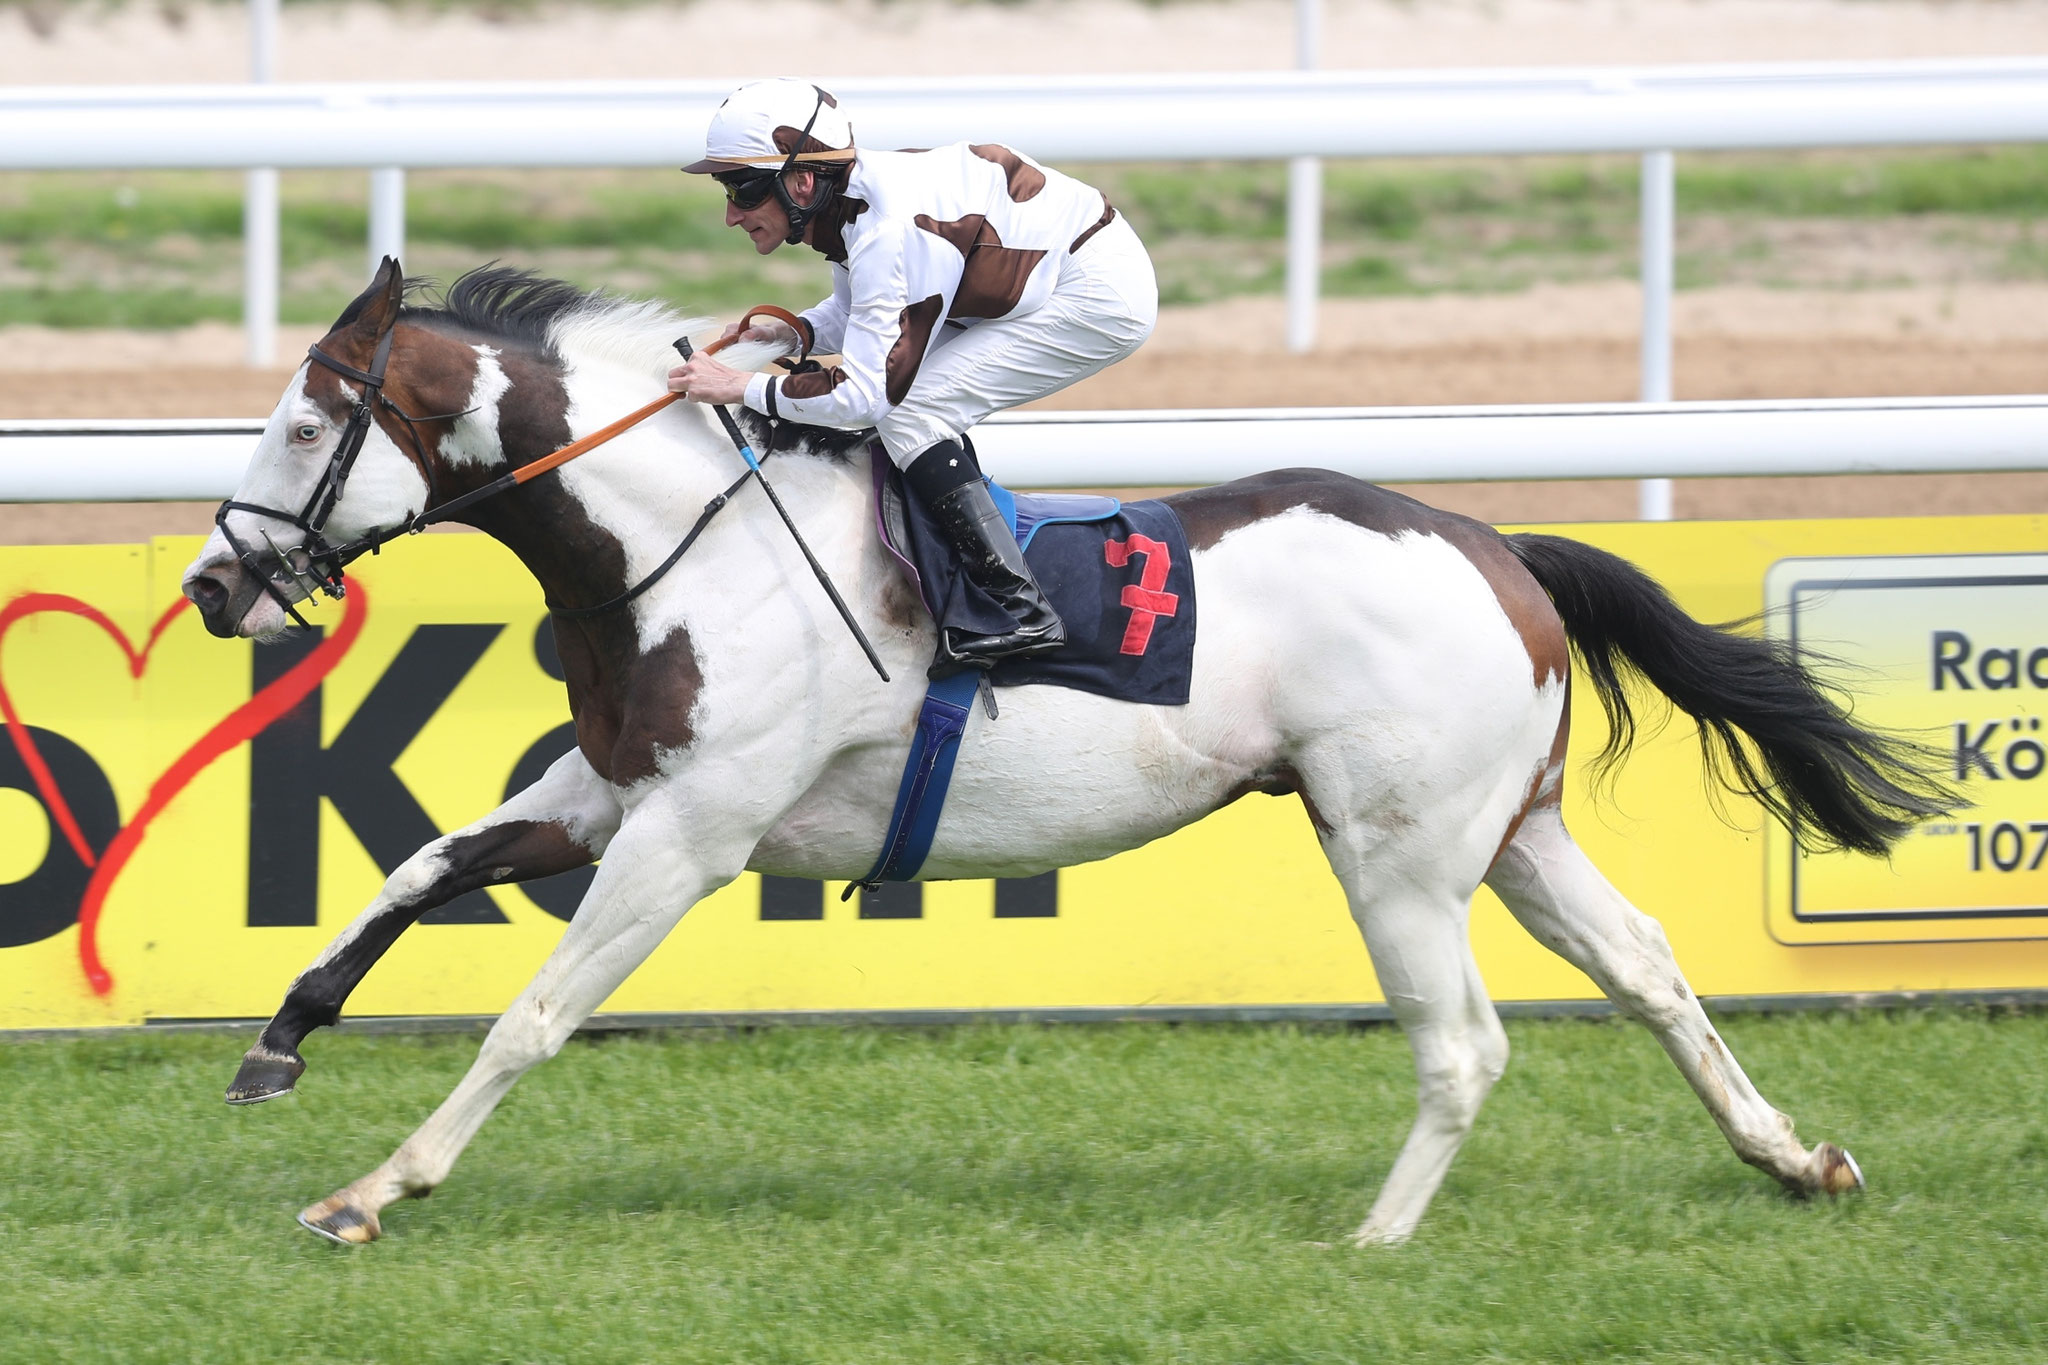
[1102, 307]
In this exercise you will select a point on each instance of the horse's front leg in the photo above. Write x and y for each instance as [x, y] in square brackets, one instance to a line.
[561, 822]
[657, 867]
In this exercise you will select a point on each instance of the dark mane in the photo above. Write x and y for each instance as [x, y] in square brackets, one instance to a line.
[510, 304]
[503, 302]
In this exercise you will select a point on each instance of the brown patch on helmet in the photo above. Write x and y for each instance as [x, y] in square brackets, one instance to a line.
[914, 333]
[810, 383]
[1025, 180]
[993, 279]
[786, 141]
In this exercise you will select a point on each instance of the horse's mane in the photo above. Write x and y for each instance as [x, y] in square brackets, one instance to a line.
[558, 321]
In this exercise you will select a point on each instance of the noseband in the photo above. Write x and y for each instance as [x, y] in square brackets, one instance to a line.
[315, 559]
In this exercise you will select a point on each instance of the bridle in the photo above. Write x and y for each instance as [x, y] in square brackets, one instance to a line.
[315, 559]
[323, 563]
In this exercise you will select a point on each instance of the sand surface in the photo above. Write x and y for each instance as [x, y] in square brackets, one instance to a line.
[48, 43]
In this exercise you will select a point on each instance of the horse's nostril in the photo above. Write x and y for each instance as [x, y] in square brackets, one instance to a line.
[207, 593]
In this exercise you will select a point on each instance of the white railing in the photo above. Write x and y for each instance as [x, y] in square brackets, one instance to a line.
[144, 461]
[1297, 116]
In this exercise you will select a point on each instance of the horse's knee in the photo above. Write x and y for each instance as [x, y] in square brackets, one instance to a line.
[522, 1039]
[1453, 1082]
[414, 879]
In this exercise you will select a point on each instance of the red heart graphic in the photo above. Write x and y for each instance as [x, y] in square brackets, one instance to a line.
[245, 722]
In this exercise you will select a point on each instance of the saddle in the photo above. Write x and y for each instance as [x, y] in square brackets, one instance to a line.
[1116, 572]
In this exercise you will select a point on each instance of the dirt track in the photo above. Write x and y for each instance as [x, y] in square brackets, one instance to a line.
[1440, 350]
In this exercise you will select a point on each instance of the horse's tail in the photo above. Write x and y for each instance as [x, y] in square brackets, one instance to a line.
[1834, 783]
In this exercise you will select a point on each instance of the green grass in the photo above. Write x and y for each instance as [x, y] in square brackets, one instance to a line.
[160, 249]
[1014, 1194]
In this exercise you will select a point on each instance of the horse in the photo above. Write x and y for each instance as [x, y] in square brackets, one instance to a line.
[1412, 690]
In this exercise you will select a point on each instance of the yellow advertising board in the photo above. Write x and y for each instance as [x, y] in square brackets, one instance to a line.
[185, 822]
[1954, 647]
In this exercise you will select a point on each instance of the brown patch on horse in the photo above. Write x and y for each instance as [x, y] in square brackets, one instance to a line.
[1024, 180]
[660, 702]
[913, 334]
[1538, 796]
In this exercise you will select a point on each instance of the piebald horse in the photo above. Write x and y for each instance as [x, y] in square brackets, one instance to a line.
[1412, 690]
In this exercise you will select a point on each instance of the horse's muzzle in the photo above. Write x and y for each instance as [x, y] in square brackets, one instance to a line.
[223, 592]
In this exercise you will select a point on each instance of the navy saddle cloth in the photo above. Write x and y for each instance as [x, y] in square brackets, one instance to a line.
[1117, 573]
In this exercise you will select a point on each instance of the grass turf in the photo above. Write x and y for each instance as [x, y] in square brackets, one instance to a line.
[1014, 1194]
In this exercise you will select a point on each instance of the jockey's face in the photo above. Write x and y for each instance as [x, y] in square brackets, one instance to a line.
[767, 226]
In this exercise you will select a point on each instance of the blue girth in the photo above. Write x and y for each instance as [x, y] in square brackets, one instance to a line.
[928, 772]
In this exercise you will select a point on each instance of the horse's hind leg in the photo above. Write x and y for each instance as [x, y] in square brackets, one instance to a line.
[1561, 898]
[1416, 933]
[560, 822]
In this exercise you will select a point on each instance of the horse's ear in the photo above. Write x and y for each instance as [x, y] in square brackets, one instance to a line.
[376, 308]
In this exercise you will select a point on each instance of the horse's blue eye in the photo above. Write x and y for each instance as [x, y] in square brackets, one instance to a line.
[309, 432]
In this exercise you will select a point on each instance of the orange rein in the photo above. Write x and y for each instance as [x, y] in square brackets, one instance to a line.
[639, 415]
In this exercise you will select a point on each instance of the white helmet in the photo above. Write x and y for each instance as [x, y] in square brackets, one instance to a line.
[782, 124]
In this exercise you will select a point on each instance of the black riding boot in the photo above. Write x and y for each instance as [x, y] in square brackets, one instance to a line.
[950, 485]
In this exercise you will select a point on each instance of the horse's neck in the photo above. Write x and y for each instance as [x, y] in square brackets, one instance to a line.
[613, 516]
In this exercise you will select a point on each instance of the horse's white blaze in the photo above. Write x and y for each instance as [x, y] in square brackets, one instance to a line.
[474, 437]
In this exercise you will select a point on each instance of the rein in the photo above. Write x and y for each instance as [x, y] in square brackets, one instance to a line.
[322, 563]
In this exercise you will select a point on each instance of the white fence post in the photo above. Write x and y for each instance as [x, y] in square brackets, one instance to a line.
[387, 215]
[1304, 202]
[259, 211]
[1659, 211]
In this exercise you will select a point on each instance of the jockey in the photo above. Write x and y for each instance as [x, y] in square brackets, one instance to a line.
[965, 280]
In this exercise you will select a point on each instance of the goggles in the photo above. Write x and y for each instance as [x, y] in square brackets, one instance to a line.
[748, 189]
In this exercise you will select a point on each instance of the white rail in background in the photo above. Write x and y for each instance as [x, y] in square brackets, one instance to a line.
[1080, 118]
[57, 461]
[1300, 116]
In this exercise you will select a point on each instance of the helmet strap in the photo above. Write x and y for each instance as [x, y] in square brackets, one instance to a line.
[824, 187]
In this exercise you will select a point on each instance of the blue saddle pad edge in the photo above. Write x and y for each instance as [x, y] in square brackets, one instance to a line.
[949, 701]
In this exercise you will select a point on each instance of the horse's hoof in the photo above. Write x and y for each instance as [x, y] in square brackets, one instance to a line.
[340, 1222]
[1839, 1173]
[265, 1075]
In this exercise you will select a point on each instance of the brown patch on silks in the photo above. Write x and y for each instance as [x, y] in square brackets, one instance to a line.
[914, 333]
[992, 280]
[810, 383]
[963, 233]
[1025, 180]
[828, 229]
[1108, 215]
